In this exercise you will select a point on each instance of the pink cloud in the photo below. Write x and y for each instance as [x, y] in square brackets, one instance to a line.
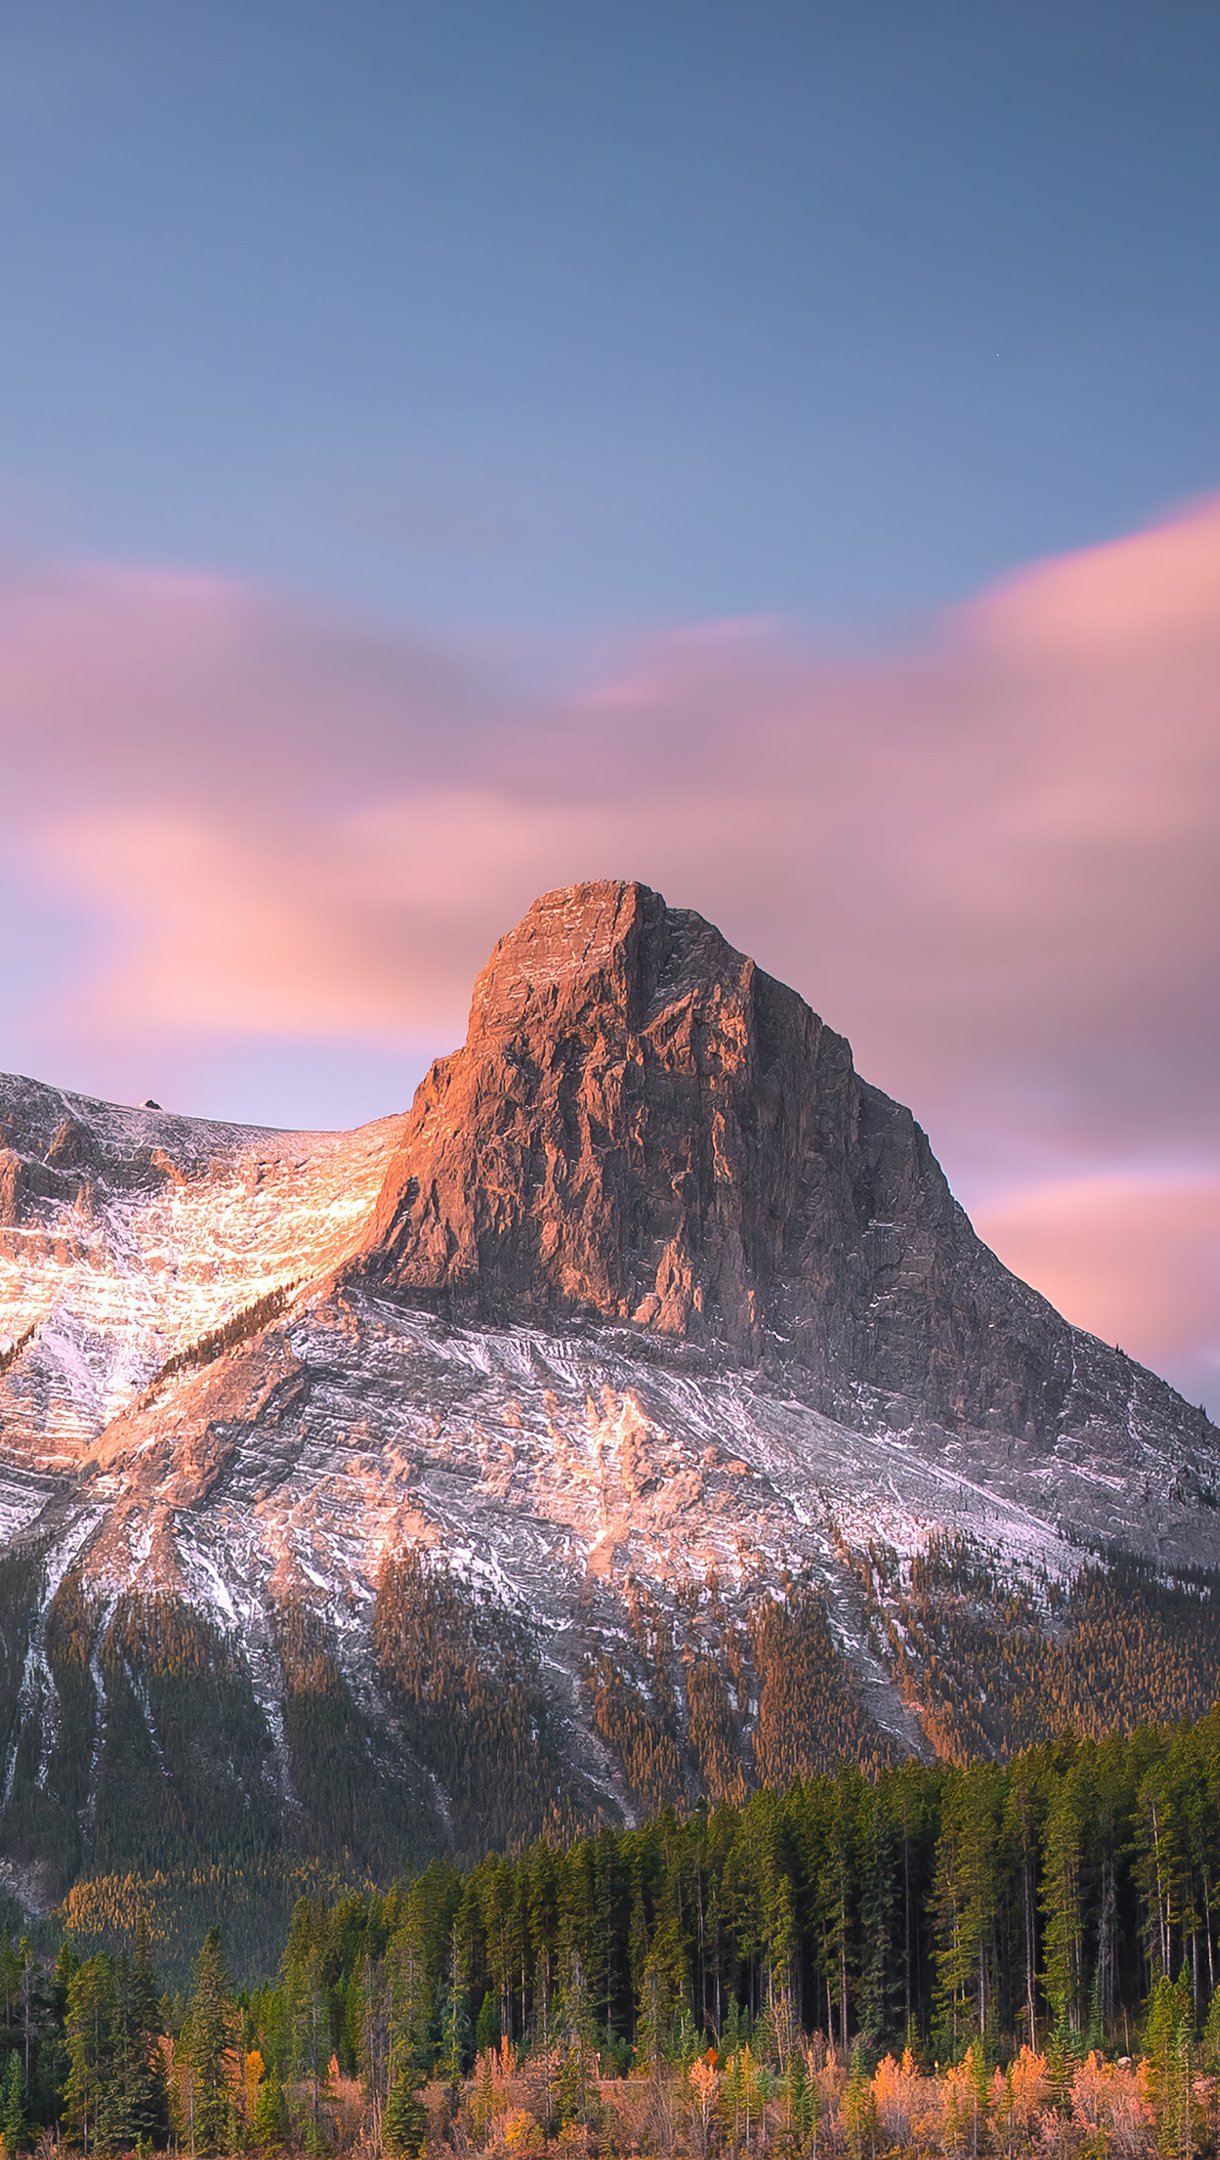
[992, 857]
[1133, 1259]
[1106, 603]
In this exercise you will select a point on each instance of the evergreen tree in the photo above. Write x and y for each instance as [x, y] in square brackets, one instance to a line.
[89, 2033]
[965, 1907]
[272, 2124]
[12, 2105]
[143, 2101]
[28, 1989]
[205, 2049]
[859, 2113]
[405, 2124]
[371, 1997]
[307, 2017]
[1063, 1934]
[454, 2034]
[1168, 2046]
[1209, 2052]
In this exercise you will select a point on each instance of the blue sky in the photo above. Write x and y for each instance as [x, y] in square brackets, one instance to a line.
[541, 317]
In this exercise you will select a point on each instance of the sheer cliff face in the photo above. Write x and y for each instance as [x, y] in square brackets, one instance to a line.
[644, 1128]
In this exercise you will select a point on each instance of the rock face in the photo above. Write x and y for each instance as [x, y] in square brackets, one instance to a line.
[635, 1418]
[644, 1128]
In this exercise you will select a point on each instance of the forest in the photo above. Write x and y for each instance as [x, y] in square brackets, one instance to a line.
[952, 1959]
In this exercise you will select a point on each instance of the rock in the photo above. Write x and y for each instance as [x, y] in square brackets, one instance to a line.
[645, 1128]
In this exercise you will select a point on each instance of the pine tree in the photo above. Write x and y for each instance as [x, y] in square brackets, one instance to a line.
[1063, 2055]
[1209, 2052]
[1063, 1935]
[572, 2084]
[12, 2106]
[405, 2124]
[859, 2113]
[372, 2034]
[1168, 2047]
[205, 2049]
[454, 2034]
[409, 1970]
[487, 2025]
[25, 1952]
[307, 2018]
[89, 2036]
[272, 2125]
[965, 1900]
[145, 2103]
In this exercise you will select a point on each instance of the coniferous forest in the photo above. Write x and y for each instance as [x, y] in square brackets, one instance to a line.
[957, 1960]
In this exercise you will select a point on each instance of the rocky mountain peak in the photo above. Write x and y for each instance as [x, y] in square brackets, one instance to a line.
[609, 942]
[645, 1128]
[625, 1133]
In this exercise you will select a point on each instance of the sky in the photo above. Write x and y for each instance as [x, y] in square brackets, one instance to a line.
[772, 451]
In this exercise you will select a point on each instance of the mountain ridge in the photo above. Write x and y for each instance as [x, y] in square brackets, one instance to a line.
[637, 1417]
[607, 1011]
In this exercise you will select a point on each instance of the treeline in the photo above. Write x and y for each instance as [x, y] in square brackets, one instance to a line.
[155, 1756]
[998, 1955]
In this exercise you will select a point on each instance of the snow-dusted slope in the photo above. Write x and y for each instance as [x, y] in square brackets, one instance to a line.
[127, 1235]
[317, 1451]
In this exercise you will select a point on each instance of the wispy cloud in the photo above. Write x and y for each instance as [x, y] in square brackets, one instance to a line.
[1135, 1258]
[991, 856]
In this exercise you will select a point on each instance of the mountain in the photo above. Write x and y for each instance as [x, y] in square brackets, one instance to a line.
[636, 1418]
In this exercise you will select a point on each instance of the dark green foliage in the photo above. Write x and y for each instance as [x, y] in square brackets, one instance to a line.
[114, 2095]
[1169, 2048]
[404, 2124]
[272, 2124]
[976, 1906]
[1121, 1646]
[20, 1590]
[465, 1680]
[205, 2042]
[141, 1751]
[1068, 1899]
[180, 1775]
[164, 1767]
[307, 2014]
[54, 1756]
[350, 1798]
[12, 2105]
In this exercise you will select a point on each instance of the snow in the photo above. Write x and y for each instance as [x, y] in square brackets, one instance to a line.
[544, 1470]
[171, 1228]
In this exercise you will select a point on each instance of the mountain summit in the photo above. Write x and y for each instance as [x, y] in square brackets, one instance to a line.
[644, 1128]
[636, 1418]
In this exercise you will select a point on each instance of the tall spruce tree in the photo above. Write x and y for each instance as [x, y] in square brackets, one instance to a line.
[307, 2012]
[206, 2052]
[89, 2029]
[12, 2105]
